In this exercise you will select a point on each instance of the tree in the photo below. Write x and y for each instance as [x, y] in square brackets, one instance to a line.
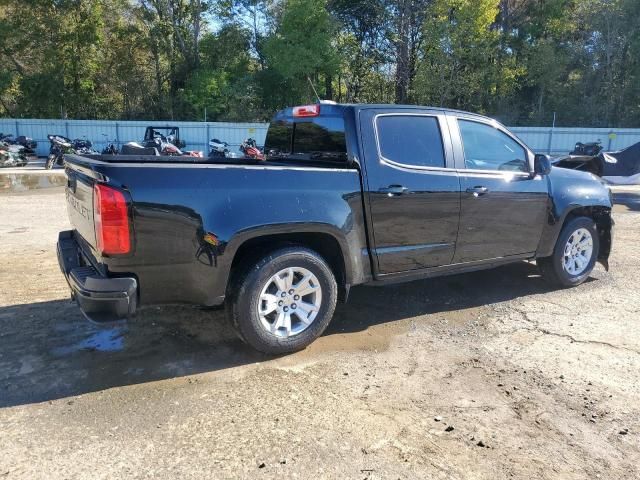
[302, 48]
[53, 54]
[224, 84]
[459, 66]
[519, 60]
[362, 47]
[255, 16]
[407, 39]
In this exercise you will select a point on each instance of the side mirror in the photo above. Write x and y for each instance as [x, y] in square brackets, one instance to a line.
[541, 164]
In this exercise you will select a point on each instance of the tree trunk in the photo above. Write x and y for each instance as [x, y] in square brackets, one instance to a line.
[328, 87]
[196, 34]
[158, 70]
[402, 51]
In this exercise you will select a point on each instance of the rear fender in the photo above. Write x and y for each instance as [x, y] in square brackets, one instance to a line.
[289, 231]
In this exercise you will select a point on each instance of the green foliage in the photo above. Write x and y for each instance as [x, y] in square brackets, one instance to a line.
[461, 66]
[363, 50]
[240, 60]
[302, 47]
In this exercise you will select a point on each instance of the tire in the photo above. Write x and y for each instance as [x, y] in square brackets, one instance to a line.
[51, 161]
[554, 268]
[262, 331]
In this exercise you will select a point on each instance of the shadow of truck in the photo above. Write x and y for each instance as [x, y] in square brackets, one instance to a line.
[48, 351]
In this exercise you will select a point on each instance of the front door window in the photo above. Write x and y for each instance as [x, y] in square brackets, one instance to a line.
[487, 148]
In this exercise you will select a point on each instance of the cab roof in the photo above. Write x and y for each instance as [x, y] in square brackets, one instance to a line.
[338, 109]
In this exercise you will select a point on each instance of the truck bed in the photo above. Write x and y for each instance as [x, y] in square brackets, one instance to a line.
[189, 217]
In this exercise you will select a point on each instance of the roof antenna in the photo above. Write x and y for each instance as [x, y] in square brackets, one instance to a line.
[314, 89]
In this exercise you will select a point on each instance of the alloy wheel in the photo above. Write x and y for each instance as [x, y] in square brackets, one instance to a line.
[577, 252]
[289, 302]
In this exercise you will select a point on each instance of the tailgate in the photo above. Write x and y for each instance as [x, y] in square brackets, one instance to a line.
[79, 193]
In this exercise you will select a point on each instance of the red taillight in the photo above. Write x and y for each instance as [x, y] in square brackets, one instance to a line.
[111, 219]
[306, 111]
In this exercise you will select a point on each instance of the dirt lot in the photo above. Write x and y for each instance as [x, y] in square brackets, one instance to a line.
[486, 375]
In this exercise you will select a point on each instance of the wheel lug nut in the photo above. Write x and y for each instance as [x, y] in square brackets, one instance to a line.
[283, 294]
[291, 292]
[296, 297]
[286, 309]
[280, 303]
[293, 306]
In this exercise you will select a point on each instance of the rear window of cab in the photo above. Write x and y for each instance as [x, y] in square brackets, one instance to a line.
[316, 139]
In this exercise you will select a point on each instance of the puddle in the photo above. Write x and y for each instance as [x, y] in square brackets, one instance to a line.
[375, 338]
[24, 182]
[107, 340]
[378, 337]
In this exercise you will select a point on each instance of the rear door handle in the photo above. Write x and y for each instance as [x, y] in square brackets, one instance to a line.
[394, 190]
[478, 191]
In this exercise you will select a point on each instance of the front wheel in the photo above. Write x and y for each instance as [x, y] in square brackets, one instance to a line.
[574, 255]
[51, 161]
[285, 301]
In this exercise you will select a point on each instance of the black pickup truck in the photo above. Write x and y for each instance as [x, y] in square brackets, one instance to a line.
[347, 195]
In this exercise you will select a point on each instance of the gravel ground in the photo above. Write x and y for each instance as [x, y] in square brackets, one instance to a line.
[485, 375]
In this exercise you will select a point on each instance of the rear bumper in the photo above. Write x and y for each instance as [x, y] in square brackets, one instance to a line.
[102, 299]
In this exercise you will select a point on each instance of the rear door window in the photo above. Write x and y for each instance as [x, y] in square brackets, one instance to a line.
[413, 140]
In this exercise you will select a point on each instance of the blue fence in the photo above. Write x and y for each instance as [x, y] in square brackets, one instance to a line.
[195, 134]
[562, 140]
[198, 134]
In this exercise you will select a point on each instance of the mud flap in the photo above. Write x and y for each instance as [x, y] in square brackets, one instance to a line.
[604, 262]
[605, 231]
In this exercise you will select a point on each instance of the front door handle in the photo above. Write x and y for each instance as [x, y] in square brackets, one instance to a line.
[394, 190]
[478, 191]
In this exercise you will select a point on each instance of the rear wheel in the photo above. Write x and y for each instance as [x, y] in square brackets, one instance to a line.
[285, 301]
[574, 255]
[51, 161]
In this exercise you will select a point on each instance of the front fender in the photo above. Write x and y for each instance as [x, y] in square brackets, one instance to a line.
[575, 193]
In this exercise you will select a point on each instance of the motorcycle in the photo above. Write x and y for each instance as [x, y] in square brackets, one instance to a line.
[27, 143]
[157, 146]
[171, 135]
[167, 146]
[110, 148]
[84, 146]
[134, 148]
[251, 150]
[12, 155]
[586, 157]
[218, 148]
[590, 149]
[61, 146]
